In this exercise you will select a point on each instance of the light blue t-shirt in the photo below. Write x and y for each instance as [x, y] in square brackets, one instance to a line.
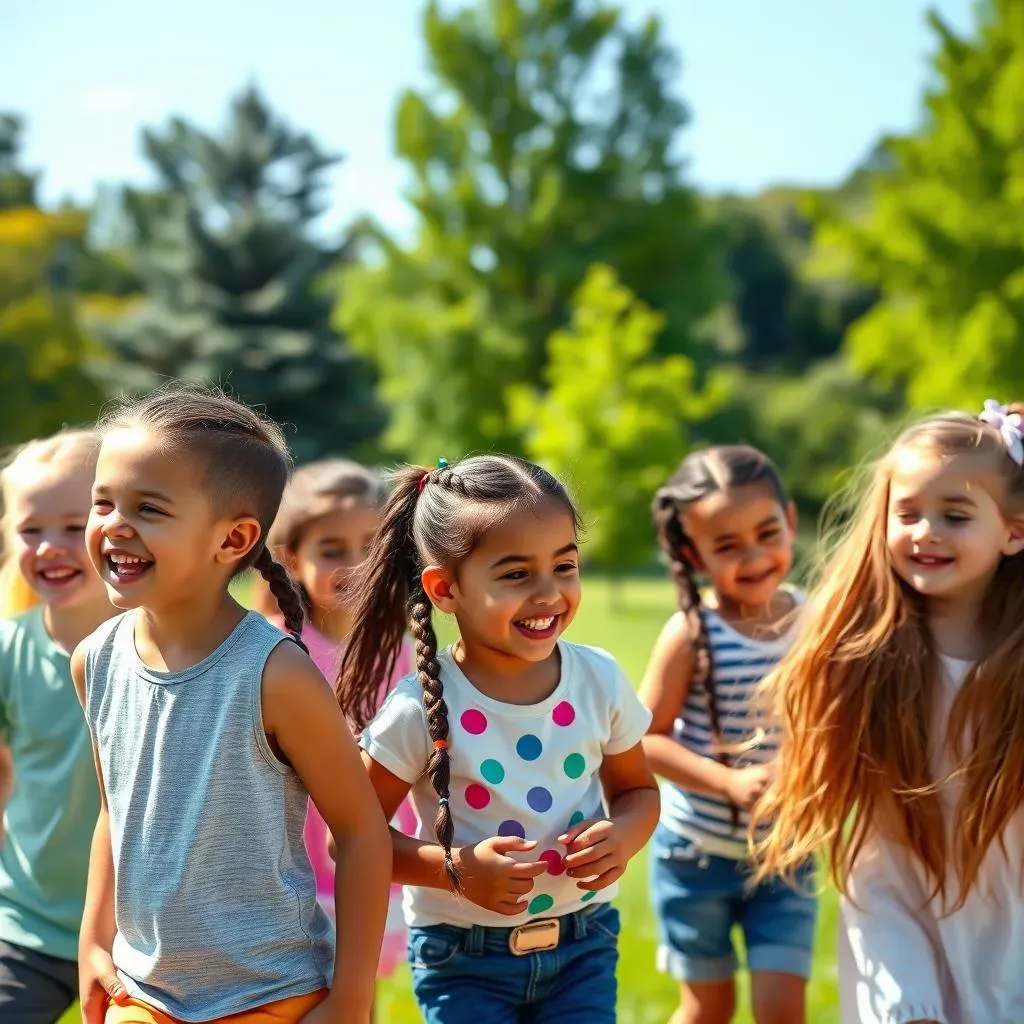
[51, 815]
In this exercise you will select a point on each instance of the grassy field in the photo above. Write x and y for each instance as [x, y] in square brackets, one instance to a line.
[645, 997]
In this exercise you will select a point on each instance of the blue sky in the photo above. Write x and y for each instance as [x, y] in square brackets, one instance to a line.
[780, 90]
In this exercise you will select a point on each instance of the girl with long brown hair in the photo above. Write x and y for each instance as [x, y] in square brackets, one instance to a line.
[902, 705]
[722, 518]
[521, 751]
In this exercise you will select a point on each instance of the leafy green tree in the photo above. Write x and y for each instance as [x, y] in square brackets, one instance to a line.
[42, 345]
[944, 240]
[548, 141]
[611, 420]
[232, 270]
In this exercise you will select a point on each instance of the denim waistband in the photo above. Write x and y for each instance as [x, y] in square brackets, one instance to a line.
[477, 938]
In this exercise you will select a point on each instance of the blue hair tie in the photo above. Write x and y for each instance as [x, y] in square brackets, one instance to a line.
[442, 463]
[443, 801]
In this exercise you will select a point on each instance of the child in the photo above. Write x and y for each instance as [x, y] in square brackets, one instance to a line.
[902, 753]
[209, 727]
[45, 753]
[505, 740]
[723, 515]
[329, 513]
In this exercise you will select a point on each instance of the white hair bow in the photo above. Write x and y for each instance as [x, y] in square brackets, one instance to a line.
[1010, 426]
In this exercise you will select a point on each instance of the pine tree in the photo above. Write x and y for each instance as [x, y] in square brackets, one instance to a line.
[232, 272]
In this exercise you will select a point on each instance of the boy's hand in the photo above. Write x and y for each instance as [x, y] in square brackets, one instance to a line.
[98, 985]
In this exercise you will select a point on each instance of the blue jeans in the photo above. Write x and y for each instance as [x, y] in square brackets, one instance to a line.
[469, 976]
[698, 898]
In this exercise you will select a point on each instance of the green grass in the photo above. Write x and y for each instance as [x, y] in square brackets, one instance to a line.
[645, 997]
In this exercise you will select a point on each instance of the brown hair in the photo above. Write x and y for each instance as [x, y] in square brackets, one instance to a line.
[76, 447]
[856, 692]
[244, 459]
[433, 517]
[702, 473]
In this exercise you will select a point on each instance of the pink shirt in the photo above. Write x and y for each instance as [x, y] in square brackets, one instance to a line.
[327, 655]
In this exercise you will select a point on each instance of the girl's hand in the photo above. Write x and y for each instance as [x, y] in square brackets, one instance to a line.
[745, 786]
[595, 851]
[494, 880]
[98, 985]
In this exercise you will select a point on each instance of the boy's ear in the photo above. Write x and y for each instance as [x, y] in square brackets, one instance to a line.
[438, 585]
[1015, 544]
[241, 537]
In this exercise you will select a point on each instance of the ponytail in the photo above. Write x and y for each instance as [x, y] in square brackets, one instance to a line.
[390, 600]
[284, 591]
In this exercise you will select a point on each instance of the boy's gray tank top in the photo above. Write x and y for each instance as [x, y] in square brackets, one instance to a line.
[215, 899]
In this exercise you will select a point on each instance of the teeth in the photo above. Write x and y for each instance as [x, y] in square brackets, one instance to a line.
[57, 574]
[537, 624]
[125, 559]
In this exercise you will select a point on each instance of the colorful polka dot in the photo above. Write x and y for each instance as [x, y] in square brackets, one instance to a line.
[564, 714]
[473, 721]
[493, 772]
[574, 765]
[511, 827]
[539, 799]
[477, 797]
[529, 747]
[577, 817]
[554, 861]
[589, 895]
[541, 903]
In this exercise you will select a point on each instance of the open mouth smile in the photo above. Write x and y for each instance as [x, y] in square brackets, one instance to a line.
[59, 575]
[538, 628]
[125, 567]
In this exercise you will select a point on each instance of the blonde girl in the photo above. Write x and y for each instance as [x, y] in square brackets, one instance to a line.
[902, 752]
[48, 789]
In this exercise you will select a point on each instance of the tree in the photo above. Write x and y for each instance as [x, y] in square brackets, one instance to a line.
[944, 240]
[42, 346]
[611, 420]
[232, 272]
[548, 142]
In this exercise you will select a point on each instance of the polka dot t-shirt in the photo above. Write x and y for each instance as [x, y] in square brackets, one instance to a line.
[529, 771]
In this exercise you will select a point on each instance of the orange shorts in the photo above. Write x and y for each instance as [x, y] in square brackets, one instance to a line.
[284, 1011]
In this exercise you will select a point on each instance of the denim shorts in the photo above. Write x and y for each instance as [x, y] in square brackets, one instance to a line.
[698, 898]
[468, 975]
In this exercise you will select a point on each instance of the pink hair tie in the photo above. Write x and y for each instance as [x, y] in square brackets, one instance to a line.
[422, 481]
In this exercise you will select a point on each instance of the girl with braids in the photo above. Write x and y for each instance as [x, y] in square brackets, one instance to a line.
[329, 514]
[723, 516]
[210, 727]
[521, 751]
[902, 712]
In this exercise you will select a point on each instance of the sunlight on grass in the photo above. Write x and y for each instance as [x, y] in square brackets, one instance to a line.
[628, 629]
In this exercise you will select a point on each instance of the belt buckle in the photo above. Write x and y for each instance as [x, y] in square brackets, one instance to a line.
[535, 937]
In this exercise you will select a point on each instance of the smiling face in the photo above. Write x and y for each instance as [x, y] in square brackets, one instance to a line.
[152, 534]
[743, 539]
[49, 506]
[329, 548]
[946, 530]
[518, 590]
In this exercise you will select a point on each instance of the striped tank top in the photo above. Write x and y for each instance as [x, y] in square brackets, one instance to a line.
[214, 896]
[740, 664]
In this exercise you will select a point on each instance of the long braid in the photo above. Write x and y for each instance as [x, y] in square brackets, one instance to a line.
[675, 544]
[283, 589]
[439, 766]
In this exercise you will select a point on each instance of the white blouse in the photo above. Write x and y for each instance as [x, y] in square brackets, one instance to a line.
[901, 959]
